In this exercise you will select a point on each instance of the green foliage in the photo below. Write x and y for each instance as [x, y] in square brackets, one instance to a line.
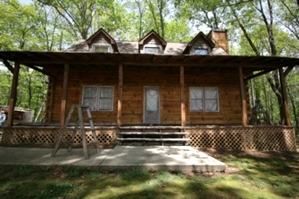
[56, 190]
[134, 174]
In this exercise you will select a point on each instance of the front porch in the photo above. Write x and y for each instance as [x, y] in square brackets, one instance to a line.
[262, 138]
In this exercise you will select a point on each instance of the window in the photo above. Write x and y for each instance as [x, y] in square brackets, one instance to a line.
[204, 99]
[98, 98]
[90, 97]
[151, 50]
[201, 51]
[105, 98]
[101, 48]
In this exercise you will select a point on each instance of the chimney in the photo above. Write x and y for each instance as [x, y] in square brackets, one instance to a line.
[219, 37]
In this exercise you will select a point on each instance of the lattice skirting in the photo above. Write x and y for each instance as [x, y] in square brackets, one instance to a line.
[278, 138]
[47, 137]
[261, 138]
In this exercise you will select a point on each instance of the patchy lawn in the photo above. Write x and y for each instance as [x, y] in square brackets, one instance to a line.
[250, 174]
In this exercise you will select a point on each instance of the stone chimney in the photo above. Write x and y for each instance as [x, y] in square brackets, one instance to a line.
[219, 37]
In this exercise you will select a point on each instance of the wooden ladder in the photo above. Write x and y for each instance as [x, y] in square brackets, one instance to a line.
[82, 130]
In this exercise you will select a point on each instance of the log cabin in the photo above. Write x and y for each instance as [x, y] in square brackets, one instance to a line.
[153, 90]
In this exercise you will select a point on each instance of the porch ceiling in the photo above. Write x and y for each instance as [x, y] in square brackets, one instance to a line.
[50, 59]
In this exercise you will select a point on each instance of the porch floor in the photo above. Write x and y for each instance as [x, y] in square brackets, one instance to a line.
[184, 158]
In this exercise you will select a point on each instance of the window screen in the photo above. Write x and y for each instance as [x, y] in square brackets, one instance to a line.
[196, 99]
[201, 51]
[151, 50]
[98, 98]
[105, 98]
[211, 100]
[101, 49]
[204, 99]
[90, 97]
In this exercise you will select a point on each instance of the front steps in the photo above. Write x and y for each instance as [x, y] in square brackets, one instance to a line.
[152, 135]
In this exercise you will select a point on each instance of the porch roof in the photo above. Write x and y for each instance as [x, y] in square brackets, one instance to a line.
[92, 59]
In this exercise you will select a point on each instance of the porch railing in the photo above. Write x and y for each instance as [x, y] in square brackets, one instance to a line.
[278, 138]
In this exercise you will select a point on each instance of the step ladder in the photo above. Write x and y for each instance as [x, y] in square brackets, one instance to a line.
[80, 121]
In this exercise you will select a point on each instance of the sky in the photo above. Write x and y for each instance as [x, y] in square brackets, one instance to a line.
[25, 1]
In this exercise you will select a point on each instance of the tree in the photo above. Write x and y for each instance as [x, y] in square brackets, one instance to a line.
[82, 16]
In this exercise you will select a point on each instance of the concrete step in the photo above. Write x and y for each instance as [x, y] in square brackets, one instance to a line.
[155, 139]
[152, 138]
[153, 133]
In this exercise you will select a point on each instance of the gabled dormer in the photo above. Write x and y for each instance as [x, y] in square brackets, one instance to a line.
[102, 42]
[199, 45]
[152, 43]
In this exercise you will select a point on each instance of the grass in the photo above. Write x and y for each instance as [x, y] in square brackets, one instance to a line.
[270, 175]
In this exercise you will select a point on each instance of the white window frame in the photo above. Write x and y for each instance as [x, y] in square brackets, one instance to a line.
[97, 100]
[152, 46]
[109, 47]
[204, 99]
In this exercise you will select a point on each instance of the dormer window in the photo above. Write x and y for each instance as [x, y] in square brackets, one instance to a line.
[152, 49]
[199, 45]
[152, 43]
[201, 51]
[102, 48]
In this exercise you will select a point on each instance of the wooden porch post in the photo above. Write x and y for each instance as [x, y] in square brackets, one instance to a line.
[53, 81]
[13, 94]
[183, 108]
[243, 99]
[120, 94]
[64, 94]
[285, 106]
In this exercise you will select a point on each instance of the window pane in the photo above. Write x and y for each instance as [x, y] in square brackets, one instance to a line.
[211, 99]
[196, 99]
[196, 105]
[152, 99]
[106, 98]
[201, 51]
[152, 50]
[90, 97]
[101, 49]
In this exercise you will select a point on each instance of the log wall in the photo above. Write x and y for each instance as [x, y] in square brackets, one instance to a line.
[135, 78]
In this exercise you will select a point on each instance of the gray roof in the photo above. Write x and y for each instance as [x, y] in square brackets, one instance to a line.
[132, 48]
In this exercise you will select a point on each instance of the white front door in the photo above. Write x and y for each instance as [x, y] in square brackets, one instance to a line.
[151, 105]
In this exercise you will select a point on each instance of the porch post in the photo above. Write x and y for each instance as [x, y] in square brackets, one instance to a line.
[243, 99]
[120, 94]
[285, 106]
[64, 94]
[52, 84]
[183, 108]
[13, 94]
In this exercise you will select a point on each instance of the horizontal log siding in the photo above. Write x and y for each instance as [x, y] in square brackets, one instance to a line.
[229, 96]
[166, 78]
[136, 78]
[97, 76]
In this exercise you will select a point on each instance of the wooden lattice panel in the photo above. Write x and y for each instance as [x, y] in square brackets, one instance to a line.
[29, 136]
[279, 138]
[47, 137]
[105, 137]
[215, 138]
[272, 138]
